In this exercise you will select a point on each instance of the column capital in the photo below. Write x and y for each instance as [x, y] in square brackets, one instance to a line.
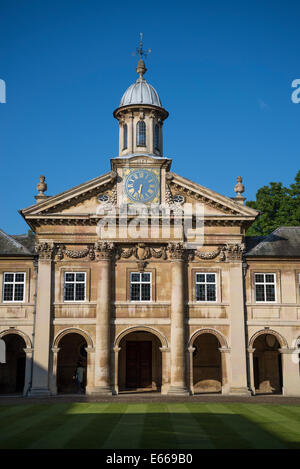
[285, 350]
[104, 250]
[250, 349]
[28, 350]
[225, 349]
[177, 251]
[164, 349]
[55, 349]
[191, 349]
[44, 250]
[90, 349]
[116, 349]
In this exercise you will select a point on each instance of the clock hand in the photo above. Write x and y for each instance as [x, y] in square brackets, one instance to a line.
[140, 190]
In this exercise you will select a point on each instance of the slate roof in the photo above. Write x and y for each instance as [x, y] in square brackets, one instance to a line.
[283, 242]
[16, 245]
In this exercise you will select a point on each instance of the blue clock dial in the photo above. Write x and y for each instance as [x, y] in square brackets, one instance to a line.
[141, 185]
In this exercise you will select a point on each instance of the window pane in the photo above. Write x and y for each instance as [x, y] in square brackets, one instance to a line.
[146, 277]
[135, 291]
[135, 277]
[200, 292]
[141, 134]
[270, 292]
[19, 278]
[145, 292]
[80, 292]
[80, 277]
[125, 136]
[260, 293]
[8, 292]
[70, 277]
[156, 137]
[259, 278]
[211, 278]
[8, 277]
[69, 291]
[211, 292]
[270, 278]
[19, 292]
[200, 278]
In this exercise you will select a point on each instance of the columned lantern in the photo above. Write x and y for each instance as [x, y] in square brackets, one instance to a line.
[140, 117]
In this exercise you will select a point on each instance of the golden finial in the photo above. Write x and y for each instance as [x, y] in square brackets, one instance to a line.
[141, 67]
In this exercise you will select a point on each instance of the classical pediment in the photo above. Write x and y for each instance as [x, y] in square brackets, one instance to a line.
[214, 204]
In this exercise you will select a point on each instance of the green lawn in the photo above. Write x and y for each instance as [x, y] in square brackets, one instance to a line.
[162, 425]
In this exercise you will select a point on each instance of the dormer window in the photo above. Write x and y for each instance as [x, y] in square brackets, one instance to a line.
[141, 134]
[156, 137]
[124, 136]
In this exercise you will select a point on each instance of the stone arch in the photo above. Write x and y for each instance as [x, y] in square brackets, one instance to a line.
[22, 334]
[73, 330]
[282, 341]
[159, 335]
[216, 333]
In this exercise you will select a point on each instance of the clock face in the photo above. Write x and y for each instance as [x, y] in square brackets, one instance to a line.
[141, 185]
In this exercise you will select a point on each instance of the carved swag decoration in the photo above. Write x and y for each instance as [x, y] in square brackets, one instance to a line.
[142, 252]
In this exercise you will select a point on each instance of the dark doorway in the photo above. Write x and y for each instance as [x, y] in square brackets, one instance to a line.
[138, 364]
[207, 367]
[267, 365]
[12, 373]
[72, 351]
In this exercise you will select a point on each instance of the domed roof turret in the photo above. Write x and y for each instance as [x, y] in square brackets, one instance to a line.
[140, 92]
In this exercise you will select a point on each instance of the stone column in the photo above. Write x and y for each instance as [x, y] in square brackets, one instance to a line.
[178, 333]
[238, 379]
[251, 351]
[90, 371]
[191, 369]
[116, 370]
[28, 368]
[225, 364]
[53, 385]
[165, 369]
[290, 372]
[102, 383]
[40, 377]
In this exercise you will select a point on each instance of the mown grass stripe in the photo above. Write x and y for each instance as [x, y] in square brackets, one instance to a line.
[278, 423]
[158, 431]
[189, 430]
[128, 431]
[66, 426]
[243, 432]
[16, 433]
[100, 427]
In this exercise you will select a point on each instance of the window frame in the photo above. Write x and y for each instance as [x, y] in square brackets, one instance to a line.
[140, 283]
[206, 283]
[156, 137]
[75, 282]
[14, 283]
[138, 133]
[125, 137]
[265, 283]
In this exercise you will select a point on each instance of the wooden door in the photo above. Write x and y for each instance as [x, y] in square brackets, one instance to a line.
[138, 364]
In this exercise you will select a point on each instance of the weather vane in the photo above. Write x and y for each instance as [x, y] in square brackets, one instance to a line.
[140, 51]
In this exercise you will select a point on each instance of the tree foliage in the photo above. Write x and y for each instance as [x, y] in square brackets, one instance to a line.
[279, 206]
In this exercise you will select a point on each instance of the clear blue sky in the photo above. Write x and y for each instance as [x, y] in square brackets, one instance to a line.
[223, 70]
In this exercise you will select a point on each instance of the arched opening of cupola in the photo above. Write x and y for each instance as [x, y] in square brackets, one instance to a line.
[156, 137]
[125, 136]
[140, 362]
[141, 134]
[12, 373]
[267, 366]
[207, 364]
[72, 360]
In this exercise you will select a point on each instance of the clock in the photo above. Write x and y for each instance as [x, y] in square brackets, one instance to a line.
[141, 185]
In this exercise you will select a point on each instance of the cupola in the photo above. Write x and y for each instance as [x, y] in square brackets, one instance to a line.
[140, 115]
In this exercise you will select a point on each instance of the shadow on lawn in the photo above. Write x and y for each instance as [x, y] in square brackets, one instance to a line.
[60, 427]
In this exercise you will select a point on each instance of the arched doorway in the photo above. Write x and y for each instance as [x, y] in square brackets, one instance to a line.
[207, 364]
[12, 373]
[267, 366]
[140, 362]
[71, 353]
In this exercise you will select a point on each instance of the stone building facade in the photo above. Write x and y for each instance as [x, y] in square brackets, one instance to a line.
[150, 306]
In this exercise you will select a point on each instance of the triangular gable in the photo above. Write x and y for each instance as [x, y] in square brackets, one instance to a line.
[219, 202]
[71, 197]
